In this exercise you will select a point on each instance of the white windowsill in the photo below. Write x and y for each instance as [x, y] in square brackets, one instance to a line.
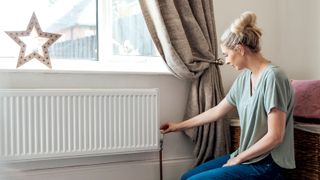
[150, 66]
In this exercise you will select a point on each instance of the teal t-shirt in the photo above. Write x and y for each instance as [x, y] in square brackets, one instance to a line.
[272, 91]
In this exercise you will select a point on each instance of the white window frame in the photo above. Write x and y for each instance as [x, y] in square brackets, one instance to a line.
[105, 63]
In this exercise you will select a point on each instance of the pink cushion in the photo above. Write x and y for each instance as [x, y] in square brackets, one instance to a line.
[307, 98]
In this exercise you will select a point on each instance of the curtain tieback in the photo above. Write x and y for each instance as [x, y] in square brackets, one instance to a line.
[218, 61]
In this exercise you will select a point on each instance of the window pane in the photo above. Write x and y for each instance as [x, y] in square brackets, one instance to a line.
[74, 19]
[129, 31]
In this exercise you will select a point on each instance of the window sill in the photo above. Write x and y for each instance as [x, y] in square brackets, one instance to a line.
[155, 66]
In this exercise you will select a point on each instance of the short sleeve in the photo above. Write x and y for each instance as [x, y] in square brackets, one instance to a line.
[277, 92]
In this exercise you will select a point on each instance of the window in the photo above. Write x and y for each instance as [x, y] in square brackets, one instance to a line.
[74, 19]
[129, 33]
[126, 32]
[92, 30]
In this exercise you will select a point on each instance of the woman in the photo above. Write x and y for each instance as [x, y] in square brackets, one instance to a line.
[263, 97]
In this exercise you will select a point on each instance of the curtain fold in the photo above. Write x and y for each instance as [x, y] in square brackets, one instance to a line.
[185, 36]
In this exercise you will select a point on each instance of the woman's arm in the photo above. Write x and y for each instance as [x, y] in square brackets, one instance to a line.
[208, 116]
[274, 137]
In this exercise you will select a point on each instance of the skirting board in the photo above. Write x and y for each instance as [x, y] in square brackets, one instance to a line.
[136, 170]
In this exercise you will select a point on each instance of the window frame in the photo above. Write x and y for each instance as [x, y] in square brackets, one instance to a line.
[106, 62]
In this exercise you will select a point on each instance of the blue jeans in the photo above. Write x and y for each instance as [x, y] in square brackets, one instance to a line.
[264, 169]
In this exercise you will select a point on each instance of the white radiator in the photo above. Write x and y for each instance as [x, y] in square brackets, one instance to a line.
[58, 123]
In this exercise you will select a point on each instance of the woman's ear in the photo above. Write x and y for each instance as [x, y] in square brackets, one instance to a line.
[240, 49]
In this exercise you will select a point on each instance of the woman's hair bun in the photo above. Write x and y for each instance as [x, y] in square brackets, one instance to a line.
[246, 20]
[243, 31]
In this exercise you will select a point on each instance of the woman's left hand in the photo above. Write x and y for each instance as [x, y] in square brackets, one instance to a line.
[232, 161]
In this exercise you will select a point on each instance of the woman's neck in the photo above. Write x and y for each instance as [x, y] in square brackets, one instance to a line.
[257, 63]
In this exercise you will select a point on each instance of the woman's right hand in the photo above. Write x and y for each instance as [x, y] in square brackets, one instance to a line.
[168, 127]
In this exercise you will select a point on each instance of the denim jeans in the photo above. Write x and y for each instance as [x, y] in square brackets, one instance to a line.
[264, 169]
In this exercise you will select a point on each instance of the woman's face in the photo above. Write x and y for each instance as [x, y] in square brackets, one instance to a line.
[233, 57]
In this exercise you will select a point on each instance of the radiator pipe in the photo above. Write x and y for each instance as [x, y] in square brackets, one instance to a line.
[160, 157]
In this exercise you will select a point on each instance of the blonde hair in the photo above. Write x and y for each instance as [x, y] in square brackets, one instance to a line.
[243, 31]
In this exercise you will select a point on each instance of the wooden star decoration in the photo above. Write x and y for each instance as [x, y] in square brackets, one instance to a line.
[41, 42]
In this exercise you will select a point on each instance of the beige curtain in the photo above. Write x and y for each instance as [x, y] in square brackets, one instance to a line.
[184, 33]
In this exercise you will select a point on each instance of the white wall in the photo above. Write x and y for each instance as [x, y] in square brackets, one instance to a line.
[299, 38]
[290, 40]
